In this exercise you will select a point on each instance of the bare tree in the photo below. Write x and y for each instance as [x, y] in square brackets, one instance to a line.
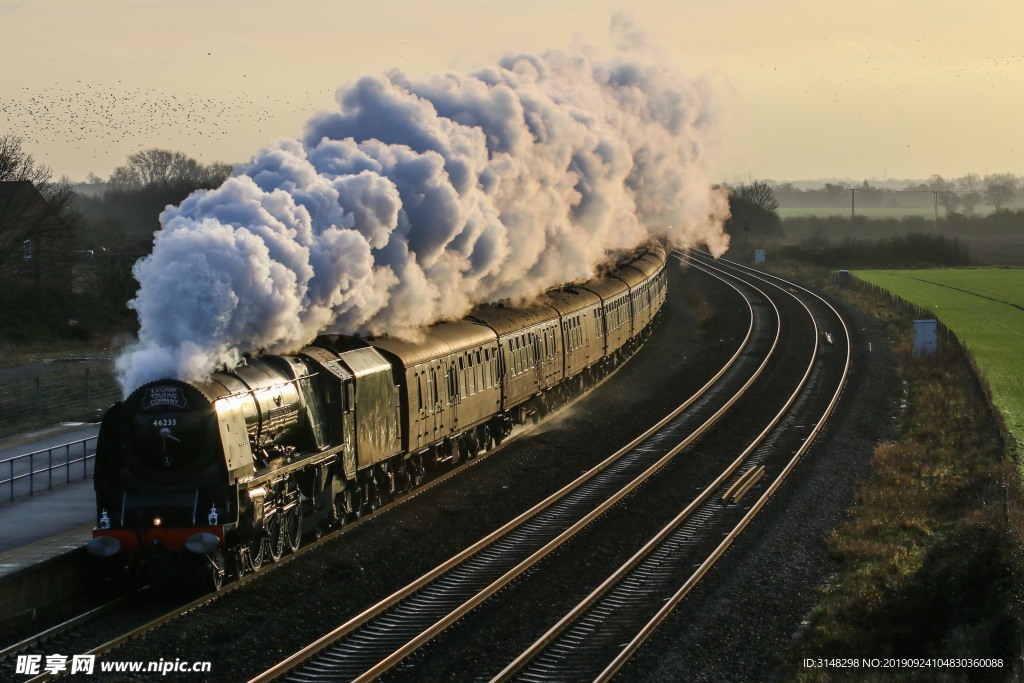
[945, 192]
[18, 165]
[1000, 188]
[969, 189]
[163, 168]
[760, 194]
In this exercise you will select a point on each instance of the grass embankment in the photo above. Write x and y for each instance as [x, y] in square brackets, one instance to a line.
[985, 308]
[930, 563]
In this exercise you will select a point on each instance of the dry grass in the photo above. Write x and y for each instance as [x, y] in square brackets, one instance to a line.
[930, 563]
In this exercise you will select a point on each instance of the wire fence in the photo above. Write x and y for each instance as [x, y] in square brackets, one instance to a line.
[949, 342]
[55, 392]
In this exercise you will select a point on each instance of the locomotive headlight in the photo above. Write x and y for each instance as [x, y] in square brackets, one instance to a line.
[157, 521]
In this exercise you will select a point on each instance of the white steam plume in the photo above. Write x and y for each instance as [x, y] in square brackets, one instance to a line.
[416, 199]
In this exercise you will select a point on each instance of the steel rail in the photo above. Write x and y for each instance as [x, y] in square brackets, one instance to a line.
[63, 627]
[539, 646]
[631, 647]
[312, 650]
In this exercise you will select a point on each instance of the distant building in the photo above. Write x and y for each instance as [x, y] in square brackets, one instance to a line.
[36, 242]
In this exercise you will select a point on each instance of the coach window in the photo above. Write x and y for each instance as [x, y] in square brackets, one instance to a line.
[419, 393]
[478, 372]
[431, 398]
[487, 368]
[462, 377]
[470, 374]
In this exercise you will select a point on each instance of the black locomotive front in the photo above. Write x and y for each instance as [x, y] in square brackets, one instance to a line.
[176, 463]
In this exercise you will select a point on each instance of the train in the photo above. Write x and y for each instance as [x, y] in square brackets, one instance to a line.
[211, 479]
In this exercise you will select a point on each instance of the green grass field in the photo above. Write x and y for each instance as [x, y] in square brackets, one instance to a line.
[985, 308]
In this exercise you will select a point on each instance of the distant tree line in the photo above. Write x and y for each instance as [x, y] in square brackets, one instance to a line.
[125, 209]
[964, 194]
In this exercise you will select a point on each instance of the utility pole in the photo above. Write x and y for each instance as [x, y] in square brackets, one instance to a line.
[853, 202]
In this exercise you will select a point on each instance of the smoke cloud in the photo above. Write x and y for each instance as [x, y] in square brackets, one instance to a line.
[416, 199]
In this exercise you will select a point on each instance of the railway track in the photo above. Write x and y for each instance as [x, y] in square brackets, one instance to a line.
[595, 638]
[377, 640]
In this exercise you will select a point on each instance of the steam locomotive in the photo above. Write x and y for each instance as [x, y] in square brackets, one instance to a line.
[214, 478]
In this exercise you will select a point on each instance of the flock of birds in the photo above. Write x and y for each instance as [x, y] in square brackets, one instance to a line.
[104, 124]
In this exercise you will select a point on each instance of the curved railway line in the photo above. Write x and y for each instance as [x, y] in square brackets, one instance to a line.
[739, 436]
[639, 595]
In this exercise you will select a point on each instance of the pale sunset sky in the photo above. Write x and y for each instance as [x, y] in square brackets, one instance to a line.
[808, 89]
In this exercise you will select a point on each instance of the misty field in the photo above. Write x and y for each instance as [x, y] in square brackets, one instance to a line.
[867, 211]
[985, 308]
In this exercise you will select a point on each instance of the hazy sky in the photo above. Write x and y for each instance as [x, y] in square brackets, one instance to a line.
[810, 89]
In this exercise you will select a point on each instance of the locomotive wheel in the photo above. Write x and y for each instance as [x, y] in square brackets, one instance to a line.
[215, 569]
[416, 471]
[351, 498]
[256, 553]
[274, 540]
[403, 479]
[241, 568]
[340, 514]
[292, 531]
[373, 496]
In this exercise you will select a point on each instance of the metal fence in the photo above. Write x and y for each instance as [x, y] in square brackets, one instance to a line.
[55, 392]
[38, 470]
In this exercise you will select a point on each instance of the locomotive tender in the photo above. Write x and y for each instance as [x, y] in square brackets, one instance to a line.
[215, 477]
